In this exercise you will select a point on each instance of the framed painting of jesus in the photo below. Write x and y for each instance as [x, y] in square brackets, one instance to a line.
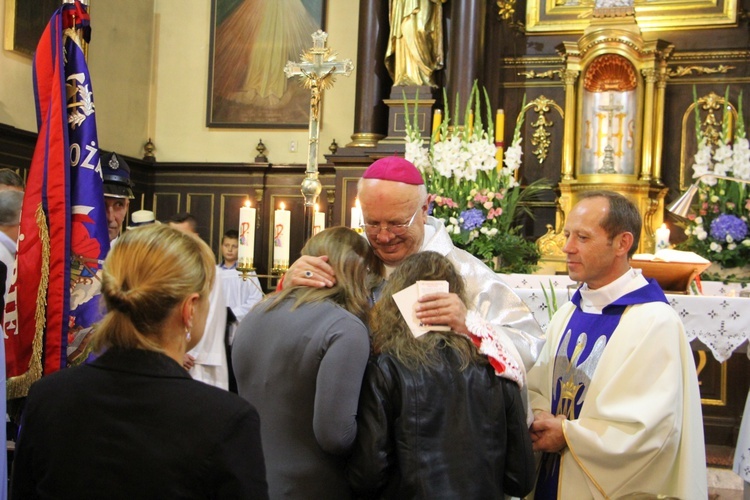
[251, 42]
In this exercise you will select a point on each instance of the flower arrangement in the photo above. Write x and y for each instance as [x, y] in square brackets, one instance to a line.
[480, 202]
[718, 229]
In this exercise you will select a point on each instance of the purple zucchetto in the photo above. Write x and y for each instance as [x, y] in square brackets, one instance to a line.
[396, 169]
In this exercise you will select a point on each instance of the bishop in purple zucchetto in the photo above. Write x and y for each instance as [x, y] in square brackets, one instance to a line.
[396, 169]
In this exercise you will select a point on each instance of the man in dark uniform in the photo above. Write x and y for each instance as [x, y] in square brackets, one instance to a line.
[117, 192]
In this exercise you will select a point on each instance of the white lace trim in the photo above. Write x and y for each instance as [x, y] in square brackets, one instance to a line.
[496, 346]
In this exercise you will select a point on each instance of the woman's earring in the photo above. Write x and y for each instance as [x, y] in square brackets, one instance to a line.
[187, 334]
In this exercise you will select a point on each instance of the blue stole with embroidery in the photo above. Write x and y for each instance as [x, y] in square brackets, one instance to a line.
[578, 353]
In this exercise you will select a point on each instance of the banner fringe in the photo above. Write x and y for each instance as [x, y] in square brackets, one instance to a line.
[18, 387]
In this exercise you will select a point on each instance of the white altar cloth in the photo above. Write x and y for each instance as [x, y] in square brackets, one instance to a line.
[720, 321]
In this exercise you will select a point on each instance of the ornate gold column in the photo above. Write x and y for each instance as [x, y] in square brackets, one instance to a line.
[661, 87]
[569, 134]
[649, 76]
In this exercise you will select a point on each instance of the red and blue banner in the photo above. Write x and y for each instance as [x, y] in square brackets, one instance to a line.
[63, 239]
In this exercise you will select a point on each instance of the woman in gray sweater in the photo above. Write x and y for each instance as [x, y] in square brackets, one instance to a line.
[299, 357]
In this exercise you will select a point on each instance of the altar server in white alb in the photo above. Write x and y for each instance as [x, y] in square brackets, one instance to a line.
[615, 392]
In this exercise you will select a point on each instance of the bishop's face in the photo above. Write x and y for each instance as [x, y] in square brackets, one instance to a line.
[396, 208]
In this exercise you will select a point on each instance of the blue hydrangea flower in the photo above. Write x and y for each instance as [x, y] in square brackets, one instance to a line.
[473, 218]
[728, 225]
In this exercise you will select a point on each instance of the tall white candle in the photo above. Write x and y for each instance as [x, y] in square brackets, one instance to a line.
[246, 250]
[662, 237]
[281, 227]
[356, 222]
[319, 221]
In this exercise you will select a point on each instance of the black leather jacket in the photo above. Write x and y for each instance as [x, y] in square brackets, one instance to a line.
[440, 433]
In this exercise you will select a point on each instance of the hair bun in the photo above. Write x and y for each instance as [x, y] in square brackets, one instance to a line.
[119, 299]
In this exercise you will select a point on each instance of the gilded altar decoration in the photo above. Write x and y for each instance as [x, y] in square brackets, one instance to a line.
[718, 228]
[551, 74]
[681, 71]
[480, 201]
[506, 9]
[540, 138]
[573, 16]
[609, 115]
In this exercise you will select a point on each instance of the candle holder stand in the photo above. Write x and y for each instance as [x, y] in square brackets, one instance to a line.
[246, 271]
[279, 271]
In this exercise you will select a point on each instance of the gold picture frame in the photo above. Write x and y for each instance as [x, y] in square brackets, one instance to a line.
[573, 16]
[25, 21]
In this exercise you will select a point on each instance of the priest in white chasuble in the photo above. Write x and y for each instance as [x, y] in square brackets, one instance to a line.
[615, 391]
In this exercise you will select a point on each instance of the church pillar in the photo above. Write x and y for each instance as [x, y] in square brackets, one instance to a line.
[661, 90]
[650, 78]
[569, 123]
[373, 82]
[465, 50]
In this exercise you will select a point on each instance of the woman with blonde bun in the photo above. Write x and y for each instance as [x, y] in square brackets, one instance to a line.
[299, 356]
[132, 423]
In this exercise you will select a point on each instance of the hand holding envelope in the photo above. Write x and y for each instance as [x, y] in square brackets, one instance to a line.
[407, 300]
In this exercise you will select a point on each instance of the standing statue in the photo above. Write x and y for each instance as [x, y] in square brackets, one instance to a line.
[415, 45]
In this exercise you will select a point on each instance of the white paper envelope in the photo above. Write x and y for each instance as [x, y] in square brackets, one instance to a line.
[407, 300]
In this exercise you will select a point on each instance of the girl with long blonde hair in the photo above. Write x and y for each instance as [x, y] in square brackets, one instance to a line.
[299, 357]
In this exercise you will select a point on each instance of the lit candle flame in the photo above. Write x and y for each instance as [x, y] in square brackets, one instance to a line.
[247, 203]
[316, 208]
[282, 205]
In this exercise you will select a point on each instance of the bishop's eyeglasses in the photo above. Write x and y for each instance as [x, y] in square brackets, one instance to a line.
[394, 229]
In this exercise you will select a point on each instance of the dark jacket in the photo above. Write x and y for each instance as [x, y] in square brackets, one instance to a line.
[133, 424]
[440, 433]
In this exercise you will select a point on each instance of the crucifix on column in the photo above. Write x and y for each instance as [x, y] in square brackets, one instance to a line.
[316, 71]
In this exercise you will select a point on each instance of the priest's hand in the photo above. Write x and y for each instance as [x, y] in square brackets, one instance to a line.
[547, 432]
[310, 271]
[443, 309]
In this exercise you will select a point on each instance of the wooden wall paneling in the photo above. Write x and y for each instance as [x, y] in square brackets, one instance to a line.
[201, 205]
[166, 204]
[328, 182]
[348, 200]
[16, 149]
[724, 389]
[346, 192]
